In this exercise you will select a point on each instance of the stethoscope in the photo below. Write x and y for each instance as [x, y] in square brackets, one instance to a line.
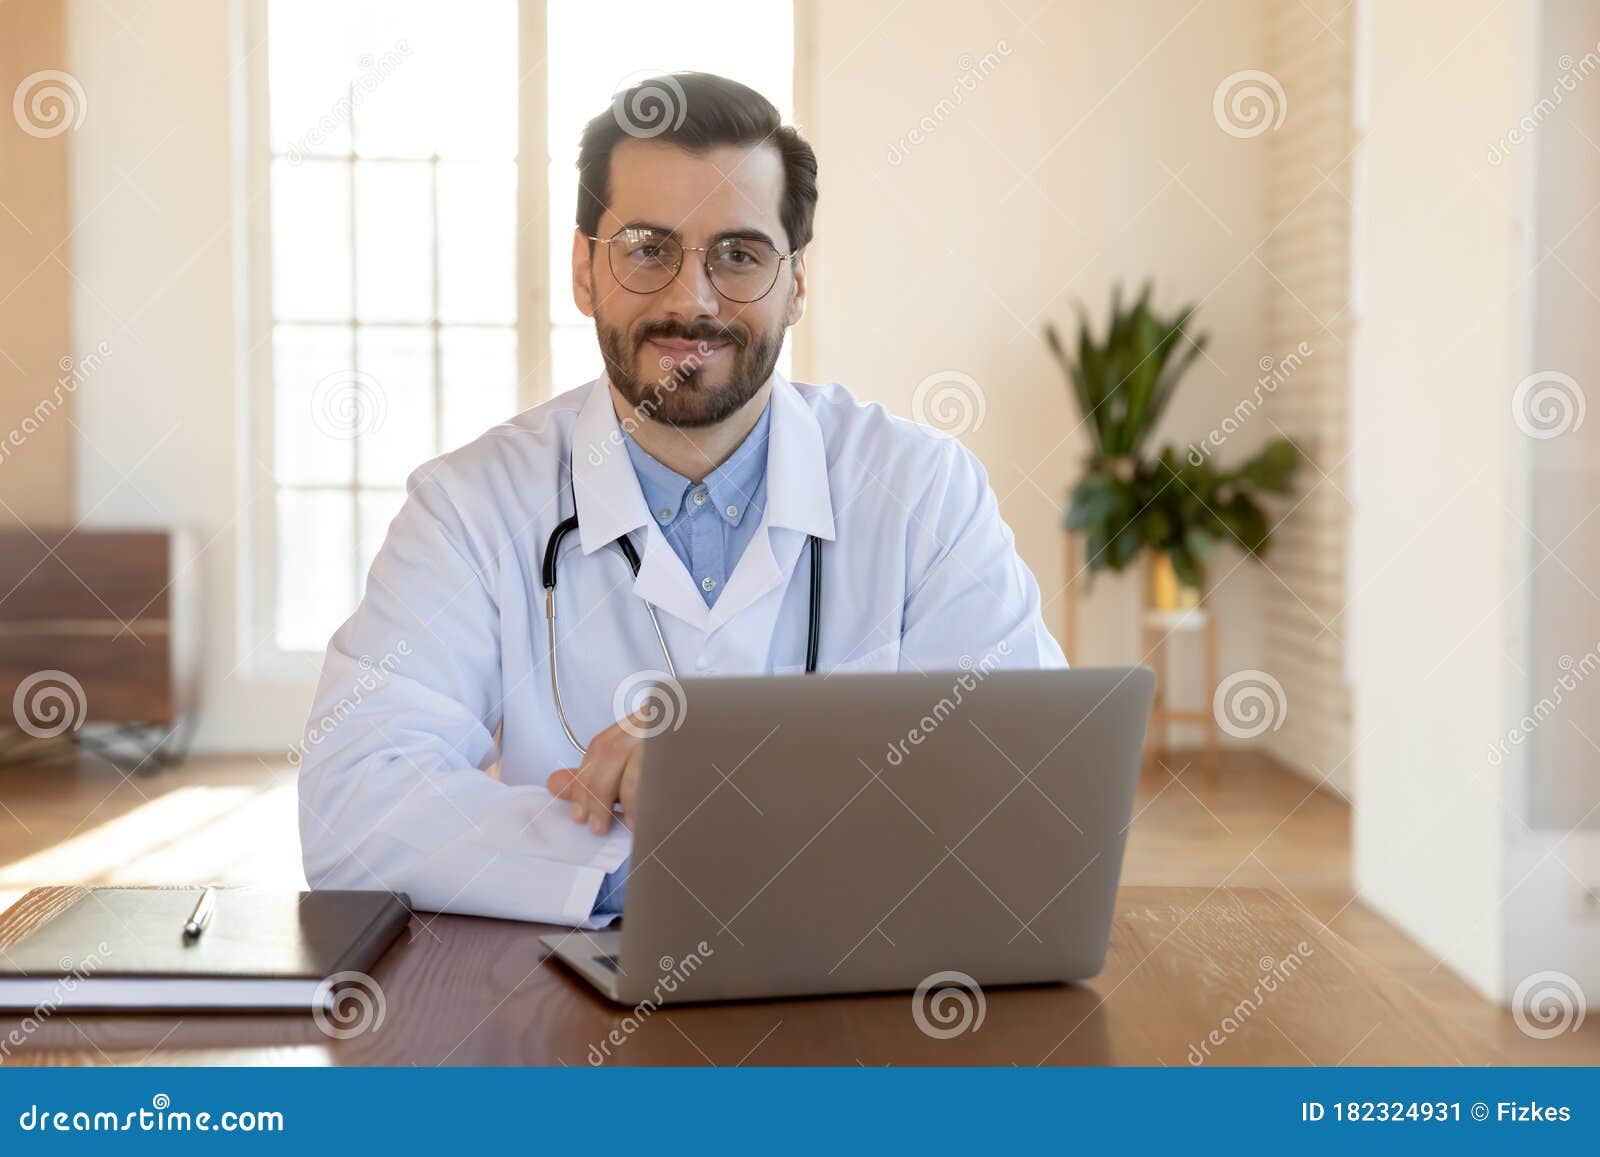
[552, 549]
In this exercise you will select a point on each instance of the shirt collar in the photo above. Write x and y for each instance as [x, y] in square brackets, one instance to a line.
[612, 502]
[732, 486]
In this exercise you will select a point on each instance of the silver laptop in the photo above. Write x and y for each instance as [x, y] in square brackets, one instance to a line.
[799, 835]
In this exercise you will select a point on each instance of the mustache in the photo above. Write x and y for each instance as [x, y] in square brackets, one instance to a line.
[671, 331]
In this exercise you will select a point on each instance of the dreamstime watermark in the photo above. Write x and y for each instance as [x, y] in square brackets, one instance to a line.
[1249, 703]
[1573, 672]
[949, 402]
[676, 371]
[972, 673]
[74, 372]
[374, 71]
[973, 72]
[160, 1117]
[73, 973]
[1274, 372]
[648, 104]
[1571, 73]
[1548, 1004]
[1274, 974]
[373, 675]
[48, 704]
[948, 1004]
[348, 1004]
[673, 974]
[348, 404]
[1548, 404]
[649, 703]
[1248, 103]
[48, 103]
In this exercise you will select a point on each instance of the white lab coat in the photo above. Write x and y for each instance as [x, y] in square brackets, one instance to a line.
[449, 642]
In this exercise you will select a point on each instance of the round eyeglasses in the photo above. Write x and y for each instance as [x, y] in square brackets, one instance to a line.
[742, 269]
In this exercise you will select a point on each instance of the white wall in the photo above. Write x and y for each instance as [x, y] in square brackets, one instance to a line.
[1438, 587]
[1093, 137]
[1084, 152]
[153, 253]
[1552, 825]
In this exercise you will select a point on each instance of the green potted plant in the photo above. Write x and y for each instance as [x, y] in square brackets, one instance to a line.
[1178, 506]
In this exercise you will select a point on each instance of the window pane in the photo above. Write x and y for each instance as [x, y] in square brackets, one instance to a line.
[394, 241]
[312, 442]
[312, 64]
[400, 436]
[378, 508]
[563, 179]
[455, 92]
[478, 242]
[574, 356]
[480, 381]
[316, 573]
[753, 43]
[311, 240]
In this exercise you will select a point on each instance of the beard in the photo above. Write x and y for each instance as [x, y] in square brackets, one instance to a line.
[685, 392]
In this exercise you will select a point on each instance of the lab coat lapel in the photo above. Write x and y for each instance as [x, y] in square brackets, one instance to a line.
[798, 500]
[610, 504]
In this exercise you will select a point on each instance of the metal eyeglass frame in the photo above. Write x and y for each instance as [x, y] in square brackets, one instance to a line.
[684, 250]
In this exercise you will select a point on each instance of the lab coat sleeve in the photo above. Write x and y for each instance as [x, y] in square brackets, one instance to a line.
[971, 601]
[394, 793]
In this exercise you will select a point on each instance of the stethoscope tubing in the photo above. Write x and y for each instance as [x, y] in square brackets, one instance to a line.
[547, 576]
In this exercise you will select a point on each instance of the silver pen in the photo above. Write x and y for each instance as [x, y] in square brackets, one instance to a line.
[201, 916]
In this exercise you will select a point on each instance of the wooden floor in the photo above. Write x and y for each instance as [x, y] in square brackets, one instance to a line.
[233, 821]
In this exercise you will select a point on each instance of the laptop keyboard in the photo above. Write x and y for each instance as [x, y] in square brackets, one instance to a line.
[608, 962]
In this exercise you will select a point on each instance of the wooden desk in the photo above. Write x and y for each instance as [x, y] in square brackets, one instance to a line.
[462, 991]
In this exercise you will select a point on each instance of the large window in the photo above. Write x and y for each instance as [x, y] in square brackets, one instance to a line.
[399, 241]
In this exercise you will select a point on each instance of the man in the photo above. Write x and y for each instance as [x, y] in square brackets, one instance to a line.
[689, 254]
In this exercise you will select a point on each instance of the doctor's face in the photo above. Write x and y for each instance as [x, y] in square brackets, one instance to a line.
[687, 354]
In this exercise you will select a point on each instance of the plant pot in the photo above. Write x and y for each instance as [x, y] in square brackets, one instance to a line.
[1122, 467]
[1163, 591]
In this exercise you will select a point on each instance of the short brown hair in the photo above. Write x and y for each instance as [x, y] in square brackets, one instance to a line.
[696, 111]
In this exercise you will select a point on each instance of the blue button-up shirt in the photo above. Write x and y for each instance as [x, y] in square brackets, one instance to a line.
[708, 524]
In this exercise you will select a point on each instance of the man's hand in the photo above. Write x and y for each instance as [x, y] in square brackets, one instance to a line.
[609, 774]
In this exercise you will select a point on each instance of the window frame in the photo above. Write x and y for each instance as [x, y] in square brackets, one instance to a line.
[254, 612]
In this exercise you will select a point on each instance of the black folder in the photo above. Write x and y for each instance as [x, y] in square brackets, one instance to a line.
[125, 949]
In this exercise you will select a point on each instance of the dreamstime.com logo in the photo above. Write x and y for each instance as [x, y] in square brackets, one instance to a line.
[1573, 673]
[673, 974]
[1274, 974]
[655, 106]
[374, 71]
[1249, 103]
[1274, 372]
[1548, 1004]
[74, 372]
[48, 704]
[676, 372]
[159, 1117]
[49, 103]
[1249, 703]
[348, 404]
[951, 402]
[948, 1004]
[973, 72]
[1548, 404]
[972, 673]
[73, 973]
[649, 703]
[373, 675]
[348, 1004]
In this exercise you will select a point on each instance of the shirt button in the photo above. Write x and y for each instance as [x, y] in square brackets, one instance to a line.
[663, 514]
[732, 512]
[700, 497]
[708, 583]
